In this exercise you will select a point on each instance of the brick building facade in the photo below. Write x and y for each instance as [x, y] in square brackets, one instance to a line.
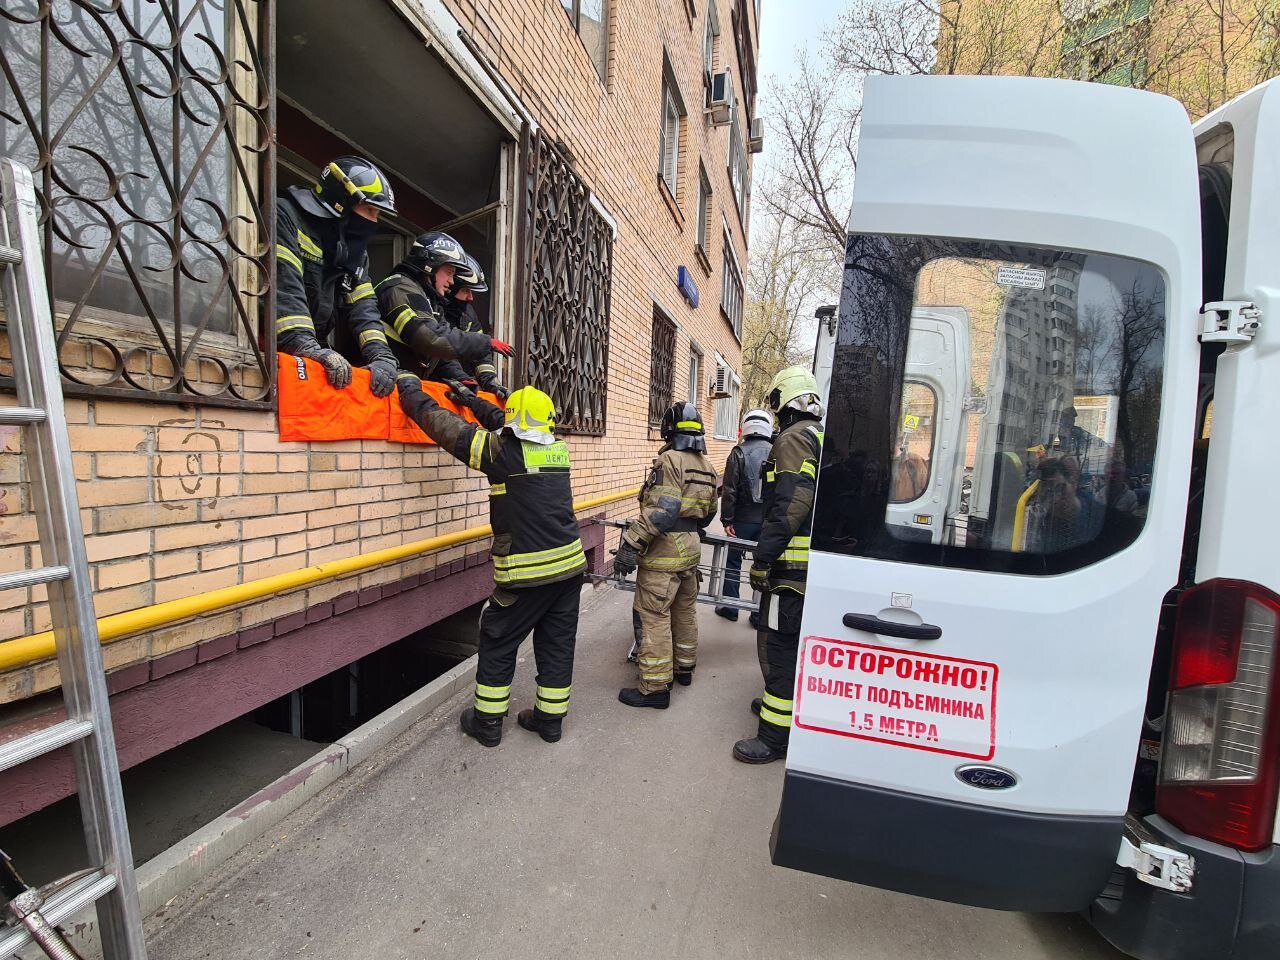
[574, 146]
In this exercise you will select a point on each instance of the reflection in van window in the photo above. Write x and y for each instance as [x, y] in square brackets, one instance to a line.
[1050, 450]
[913, 452]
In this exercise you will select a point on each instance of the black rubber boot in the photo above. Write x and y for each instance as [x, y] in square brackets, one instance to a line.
[754, 620]
[684, 677]
[632, 697]
[548, 728]
[756, 704]
[488, 730]
[756, 750]
[729, 613]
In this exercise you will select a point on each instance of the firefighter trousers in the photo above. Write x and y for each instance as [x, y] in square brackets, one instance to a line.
[551, 612]
[667, 603]
[779, 640]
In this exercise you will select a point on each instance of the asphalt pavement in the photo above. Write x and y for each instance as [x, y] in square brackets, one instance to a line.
[635, 836]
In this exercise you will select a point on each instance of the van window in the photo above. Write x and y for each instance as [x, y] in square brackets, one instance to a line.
[913, 452]
[1054, 453]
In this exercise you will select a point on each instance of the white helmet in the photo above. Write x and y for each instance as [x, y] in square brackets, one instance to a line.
[757, 423]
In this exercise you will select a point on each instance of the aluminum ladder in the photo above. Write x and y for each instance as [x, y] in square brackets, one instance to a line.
[87, 727]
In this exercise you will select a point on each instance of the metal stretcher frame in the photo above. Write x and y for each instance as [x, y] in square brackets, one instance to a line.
[713, 580]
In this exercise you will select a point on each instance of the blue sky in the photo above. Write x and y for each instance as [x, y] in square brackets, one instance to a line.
[788, 24]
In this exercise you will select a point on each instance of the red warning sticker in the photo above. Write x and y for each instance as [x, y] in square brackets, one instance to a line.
[907, 699]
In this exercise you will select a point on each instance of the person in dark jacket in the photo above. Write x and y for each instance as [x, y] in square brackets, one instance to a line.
[780, 568]
[411, 301]
[538, 560]
[742, 501]
[322, 271]
[460, 312]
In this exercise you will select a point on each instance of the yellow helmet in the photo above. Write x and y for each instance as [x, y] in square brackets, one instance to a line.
[790, 383]
[531, 415]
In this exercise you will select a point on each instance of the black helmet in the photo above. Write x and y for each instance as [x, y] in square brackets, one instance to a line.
[345, 182]
[436, 249]
[682, 427]
[470, 277]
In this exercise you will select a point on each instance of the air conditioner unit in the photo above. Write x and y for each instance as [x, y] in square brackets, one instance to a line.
[721, 385]
[720, 98]
[755, 143]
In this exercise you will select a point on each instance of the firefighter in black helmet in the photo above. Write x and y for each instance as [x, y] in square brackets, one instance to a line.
[322, 270]
[538, 561]
[677, 501]
[412, 299]
[460, 312]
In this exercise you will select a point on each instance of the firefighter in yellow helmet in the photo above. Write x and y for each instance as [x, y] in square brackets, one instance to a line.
[677, 501]
[538, 561]
[781, 564]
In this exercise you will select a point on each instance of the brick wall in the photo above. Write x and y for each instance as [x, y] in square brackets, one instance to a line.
[177, 501]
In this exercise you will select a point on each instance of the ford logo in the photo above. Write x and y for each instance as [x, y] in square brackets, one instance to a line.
[986, 778]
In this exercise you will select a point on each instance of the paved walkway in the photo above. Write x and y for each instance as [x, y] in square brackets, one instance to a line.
[635, 836]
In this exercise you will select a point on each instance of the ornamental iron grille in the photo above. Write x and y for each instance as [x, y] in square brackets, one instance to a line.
[662, 367]
[148, 125]
[566, 268]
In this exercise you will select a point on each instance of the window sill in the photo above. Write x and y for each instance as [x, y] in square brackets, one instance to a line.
[670, 200]
[703, 260]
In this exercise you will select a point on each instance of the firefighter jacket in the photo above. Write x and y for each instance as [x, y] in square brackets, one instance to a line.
[462, 316]
[677, 500]
[535, 529]
[313, 297]
[743, 498]
[412, 322]
[790, 478]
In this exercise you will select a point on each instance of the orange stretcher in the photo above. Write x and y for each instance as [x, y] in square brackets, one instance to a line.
[311, 410]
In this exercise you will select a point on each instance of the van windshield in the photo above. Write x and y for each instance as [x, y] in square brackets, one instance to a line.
[1044, 463]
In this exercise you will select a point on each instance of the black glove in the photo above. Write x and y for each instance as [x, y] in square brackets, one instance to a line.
[382, 376]
[760, 578]
[626, 559]
[459, 393]
[491, 383]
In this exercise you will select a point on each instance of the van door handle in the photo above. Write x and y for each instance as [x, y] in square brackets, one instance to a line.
[887, 628]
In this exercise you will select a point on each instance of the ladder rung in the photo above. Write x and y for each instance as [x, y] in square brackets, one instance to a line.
[32, 745]
[60, 908]
[10, 254]
[32, 578]
[9, 415]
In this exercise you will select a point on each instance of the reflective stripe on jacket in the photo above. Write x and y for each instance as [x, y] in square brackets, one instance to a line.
[790, 478]
[535, 529]
[680, 492]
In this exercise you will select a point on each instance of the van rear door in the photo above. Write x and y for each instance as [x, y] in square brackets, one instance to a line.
[991, 764]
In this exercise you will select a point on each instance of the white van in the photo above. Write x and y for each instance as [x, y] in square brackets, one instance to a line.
[1039, 667]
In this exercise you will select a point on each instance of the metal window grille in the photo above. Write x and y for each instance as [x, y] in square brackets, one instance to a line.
[566, 269]
[662, 367]
[148, 125]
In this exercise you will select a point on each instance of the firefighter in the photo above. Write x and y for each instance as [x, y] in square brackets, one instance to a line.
[411, 300]
[322, 271]
[538, 561]
[460, 312]
[677, 501]
[741, 503]
[781, 561]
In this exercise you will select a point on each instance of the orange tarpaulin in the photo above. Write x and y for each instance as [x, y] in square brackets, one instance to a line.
[310, 409]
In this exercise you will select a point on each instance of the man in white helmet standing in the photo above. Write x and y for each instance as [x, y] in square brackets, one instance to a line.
[742, 501]
[781, 564]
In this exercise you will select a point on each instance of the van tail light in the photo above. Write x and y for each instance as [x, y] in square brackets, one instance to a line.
[1220, 764]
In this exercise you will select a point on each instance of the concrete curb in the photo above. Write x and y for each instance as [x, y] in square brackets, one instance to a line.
[166, 875]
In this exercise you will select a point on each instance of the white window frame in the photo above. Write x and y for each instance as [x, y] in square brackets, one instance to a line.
[703, 238]
[695, 373]
[725, 423]
[669, 137]
[732, 296]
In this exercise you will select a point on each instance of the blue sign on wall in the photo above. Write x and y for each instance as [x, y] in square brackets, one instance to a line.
[688, 289]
